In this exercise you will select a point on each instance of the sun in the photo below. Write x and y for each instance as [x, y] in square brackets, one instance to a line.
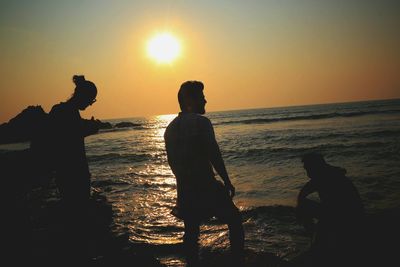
[163, 48]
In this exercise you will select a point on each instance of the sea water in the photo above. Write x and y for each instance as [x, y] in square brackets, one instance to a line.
[262, 149]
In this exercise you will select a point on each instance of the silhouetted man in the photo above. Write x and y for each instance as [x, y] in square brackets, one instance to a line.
[339, 212]
[192, 153]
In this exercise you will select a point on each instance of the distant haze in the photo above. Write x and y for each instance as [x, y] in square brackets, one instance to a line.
[248, 53]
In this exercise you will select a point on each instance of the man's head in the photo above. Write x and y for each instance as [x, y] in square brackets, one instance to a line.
[314, 164]
[191, 97]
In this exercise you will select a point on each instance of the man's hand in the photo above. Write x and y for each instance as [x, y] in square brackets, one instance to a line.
[307, 189]
[230, 188]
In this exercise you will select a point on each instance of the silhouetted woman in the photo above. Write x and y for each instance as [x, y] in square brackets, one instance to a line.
[72, 174]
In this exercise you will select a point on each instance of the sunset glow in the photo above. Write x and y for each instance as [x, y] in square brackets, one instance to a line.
[250, 55]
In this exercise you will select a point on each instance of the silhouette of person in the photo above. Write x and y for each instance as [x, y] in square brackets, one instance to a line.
[339, 213]
[192, 152]
[70, 164]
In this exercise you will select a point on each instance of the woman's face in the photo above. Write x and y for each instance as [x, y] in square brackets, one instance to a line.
[85, 101]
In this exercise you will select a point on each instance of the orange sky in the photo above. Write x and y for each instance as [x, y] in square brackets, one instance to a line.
[248, 53]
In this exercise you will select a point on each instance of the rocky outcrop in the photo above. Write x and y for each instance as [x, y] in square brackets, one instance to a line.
[126, 125]
[104, 125]
[31, 123]
[24, 126]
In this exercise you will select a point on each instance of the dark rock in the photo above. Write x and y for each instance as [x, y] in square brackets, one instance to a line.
[31, 124]
[24, 126]
[126, 125]
[104, 125]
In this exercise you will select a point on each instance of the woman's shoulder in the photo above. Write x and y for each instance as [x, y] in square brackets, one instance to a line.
[61, 107]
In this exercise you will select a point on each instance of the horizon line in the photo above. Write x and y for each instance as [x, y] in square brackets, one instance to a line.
[273, 107]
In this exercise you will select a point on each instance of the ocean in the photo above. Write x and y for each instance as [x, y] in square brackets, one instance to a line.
[262, 149]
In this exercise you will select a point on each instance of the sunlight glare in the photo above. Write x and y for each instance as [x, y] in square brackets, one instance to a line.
[163, 48]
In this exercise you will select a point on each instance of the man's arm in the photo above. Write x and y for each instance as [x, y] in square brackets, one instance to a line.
[307, 189]
[89, 127]
[216, 158]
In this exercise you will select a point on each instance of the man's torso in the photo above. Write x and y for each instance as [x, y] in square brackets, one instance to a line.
[187, 139]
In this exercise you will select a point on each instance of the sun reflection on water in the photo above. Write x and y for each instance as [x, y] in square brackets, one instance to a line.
[142, 189]
[145, 207]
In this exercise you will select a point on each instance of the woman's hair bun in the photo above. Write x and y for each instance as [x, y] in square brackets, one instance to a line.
[78, 79]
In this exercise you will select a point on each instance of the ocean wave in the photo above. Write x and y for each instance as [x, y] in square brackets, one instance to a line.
[271, 212]
[123, 129]
[336, 136]
[106, 183]
[261, 154]
[309, 117]
[119, 157]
